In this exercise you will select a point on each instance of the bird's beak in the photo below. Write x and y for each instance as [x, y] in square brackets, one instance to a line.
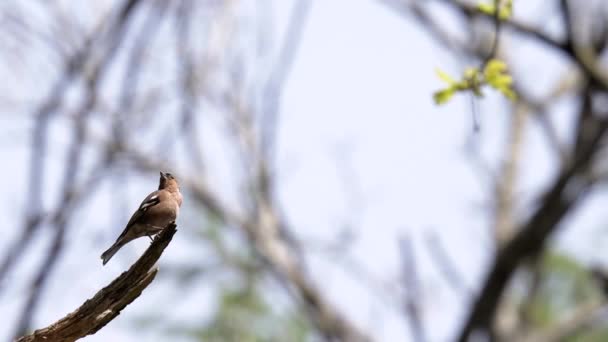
[162, 175]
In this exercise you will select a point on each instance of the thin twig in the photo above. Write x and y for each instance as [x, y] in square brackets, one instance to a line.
[411, 305]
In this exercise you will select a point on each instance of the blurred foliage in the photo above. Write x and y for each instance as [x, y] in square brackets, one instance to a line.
[489, 8]
[494, 74]
[564, 284]
[597, 335]
[243, 315]
[242, 310]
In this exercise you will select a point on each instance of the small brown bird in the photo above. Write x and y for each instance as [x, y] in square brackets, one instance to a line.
[156, 211]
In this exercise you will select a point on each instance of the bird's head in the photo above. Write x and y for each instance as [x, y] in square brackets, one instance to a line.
[167, 180]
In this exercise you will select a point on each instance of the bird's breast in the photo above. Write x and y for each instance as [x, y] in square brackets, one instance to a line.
[162, 215]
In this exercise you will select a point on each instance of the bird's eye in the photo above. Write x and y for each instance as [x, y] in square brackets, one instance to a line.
[170, 176]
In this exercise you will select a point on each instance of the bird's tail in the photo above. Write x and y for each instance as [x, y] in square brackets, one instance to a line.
[107, 255]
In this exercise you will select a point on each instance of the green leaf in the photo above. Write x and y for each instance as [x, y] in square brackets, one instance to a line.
[502, 81]
[471, 73]
[508, 93]
[496, 75]
[486, 8]
[445, 77]
[505, 9]
[444, 95]
[494, 67]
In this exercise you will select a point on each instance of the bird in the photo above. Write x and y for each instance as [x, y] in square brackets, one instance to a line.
[156, 211]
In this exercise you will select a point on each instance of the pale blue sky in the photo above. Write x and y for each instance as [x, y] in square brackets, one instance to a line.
[359, 96]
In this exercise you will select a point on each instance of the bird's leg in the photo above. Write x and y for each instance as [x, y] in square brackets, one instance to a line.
[157, 230]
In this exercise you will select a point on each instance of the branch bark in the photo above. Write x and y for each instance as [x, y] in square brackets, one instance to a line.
[107, 304]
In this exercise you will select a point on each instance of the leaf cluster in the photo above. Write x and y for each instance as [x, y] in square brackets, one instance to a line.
[494, 74]
[505, 8]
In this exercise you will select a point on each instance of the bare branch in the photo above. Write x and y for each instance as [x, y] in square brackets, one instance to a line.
[272, 90]
[93, 71]
[565, 192]
[583, 57]
[444, 263]
[269, 244]
[411, 305]
[107, 304]
[503, 216]
[77, 63]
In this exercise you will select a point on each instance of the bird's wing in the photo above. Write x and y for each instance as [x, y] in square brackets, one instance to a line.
[148, 202]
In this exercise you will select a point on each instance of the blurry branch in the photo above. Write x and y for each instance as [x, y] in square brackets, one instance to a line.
[444, 263]
[470, 9]
[503, 216]
[584, 57]
[567, 18]
[266, 228]
[262, 224]
[385, 290]
[127, 98]
[107, 304]
[266, 237]
[73, 164]
[425, 20]
[135, 64]
[93, 67]
[67, 27]
[411, 305]
[496, 40]
[526, 308]
[263, 180]
[567, 190]
[75, 64]
[59, 218]
[267, 233]
[585, 54]
[538, 107]
[263, 232]
[38, 154]
[538, 110]
[189, 81]
[273, 89]
[14, 23]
